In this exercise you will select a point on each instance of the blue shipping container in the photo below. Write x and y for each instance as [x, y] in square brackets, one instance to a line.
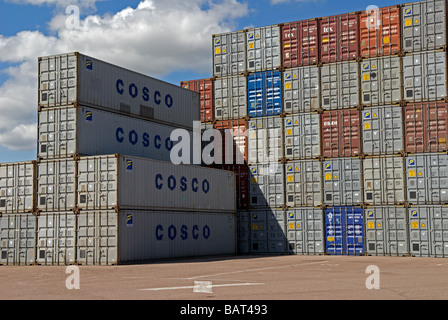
[264, 93]
[344, 230]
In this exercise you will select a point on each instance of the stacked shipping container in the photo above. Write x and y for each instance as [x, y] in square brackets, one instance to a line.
[358, 126]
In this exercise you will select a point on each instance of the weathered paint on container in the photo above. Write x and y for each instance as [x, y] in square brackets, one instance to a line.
[74, 78]
[384, 181]
[303, 183]
[423, 25]
[264, 94]
[17, 239]
[424, 76]
[17, 187]
[305, 228]
[341, 133]
[340, 83]
[230, 98]
[339, 37]
[302, 136]
[301, 90]
[386, 231]
[428, 230]
[267, 185]
[300, 43]
[229, 53]
[267, 231]
[380, 32]
[69, 131]
[205, 89]
[426, 127]
[427, 178]
[265, 139]
[382, 130]
[263, 50]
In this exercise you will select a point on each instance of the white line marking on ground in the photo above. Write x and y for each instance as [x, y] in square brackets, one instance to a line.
[214, 286]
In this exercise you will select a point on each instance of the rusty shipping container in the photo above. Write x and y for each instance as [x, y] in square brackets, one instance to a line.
[300, 43]
[339, 37]
[205, 89]
[426, 127]
[242, 183]
[380, 32]
[233, 131]
[341, 133]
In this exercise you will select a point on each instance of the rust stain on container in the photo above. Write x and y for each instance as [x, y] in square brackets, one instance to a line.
[425, 127]
[205, 88]
[237, 128]
[300, 43]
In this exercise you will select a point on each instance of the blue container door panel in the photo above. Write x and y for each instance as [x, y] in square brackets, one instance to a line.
[255, 95]
[264, 94]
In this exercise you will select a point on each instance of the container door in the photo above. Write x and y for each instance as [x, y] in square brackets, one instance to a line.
[420, 245]
[416, 184]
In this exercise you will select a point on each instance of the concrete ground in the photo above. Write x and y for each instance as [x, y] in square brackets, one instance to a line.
[236, 278]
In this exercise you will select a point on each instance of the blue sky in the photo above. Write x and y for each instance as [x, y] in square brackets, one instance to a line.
[33, 28]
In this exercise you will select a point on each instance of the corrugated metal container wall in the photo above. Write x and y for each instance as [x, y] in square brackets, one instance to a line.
[236, 152]
[230, 98]
[83, 131]
[267, 185]
[382, 130]
[302, 136]
[427, 178]
[242, 183]
[205, 89]
[301, 89]
[344, 230]
[243, 232]
[424, 25]
[386, 231]
[74, 78]
[300, 43]
[426, 127]
[117, 181]
[305, 231]
[303, 183]
[265, 139]
[424, 76]
[342, 181]
[381, 81]
[380, 32]
[17, 187]
[229, 53]
[428, 229]
[264, 93]
[384, 180]
[17, 239]
[267, 233]
[339, 37]
[341, 133]
[340, 83]
[263, 48]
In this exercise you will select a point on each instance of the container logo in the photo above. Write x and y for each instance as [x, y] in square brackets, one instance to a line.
[365, 66]
[414, 214]
[129, 165]
[411, 162]
[89, 116]
[290, 168]
[408, 11]
[183, 233]
[290, 215]
[367, 115]
[183, 184]
[289, 122]
[251, 36]
[134, 91]
[129, 220]
[288, 76]
[89, 64]
[218, 41]
[328, 166]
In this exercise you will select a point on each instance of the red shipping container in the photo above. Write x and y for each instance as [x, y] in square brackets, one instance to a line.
[341, 133]
[425, 127]
[300, 45]
[205, 88]
[242, 183]
[238, 130]
[380, 32]
[339, 38]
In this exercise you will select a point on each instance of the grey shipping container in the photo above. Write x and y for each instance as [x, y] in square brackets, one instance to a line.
[267, 233]
[302, 136]
[386, 231]
[424, 76]
[384, 180]
[265, 139]
[381, 81]
[230, 98]
[74, 78]
[65, 132]
[382, 130]
[18, 239]
[243, 232]
[117, 181]
[340, 85]
[263, 48]
[17, 187]
[423, 25]
[303, 183]
[428, 230]
[267, 185]
[305, 227]
[427, 178]
[301, 89]
[342, 181]
[229, 53]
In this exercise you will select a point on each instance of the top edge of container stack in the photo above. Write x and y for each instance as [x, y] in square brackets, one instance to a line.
[80, 80]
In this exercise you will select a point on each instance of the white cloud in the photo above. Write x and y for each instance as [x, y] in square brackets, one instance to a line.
[156, 38]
